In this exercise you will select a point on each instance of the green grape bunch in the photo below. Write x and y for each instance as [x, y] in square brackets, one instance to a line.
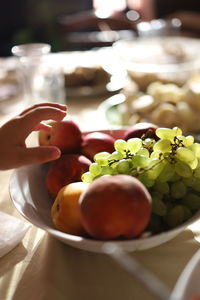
[168, 166]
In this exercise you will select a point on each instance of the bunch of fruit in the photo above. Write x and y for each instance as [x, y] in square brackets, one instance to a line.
[147, 181]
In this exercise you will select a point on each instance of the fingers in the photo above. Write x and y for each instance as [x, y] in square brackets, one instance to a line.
[38, 155]
[46, 104]
[30, 120]
[43, 126]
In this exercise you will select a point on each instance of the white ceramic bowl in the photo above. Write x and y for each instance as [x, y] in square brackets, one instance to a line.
[31, 199]
[166, 59]
[187, 286]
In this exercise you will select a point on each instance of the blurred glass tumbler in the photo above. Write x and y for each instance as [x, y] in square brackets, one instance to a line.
[12, 90]
[43, 75]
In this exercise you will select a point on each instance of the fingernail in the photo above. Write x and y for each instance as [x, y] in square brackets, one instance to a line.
[63, 106]
[56, 153]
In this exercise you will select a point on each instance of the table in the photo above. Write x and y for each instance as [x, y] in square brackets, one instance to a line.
[43, 268]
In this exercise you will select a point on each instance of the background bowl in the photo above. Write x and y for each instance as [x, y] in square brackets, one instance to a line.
[167, 59]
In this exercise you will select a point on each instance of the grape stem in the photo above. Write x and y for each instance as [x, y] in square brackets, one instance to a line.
[170, 157]
[143, 170]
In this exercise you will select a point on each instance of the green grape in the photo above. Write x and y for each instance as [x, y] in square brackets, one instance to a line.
[113, 165]
[196, 149]
[156, 154]
[161, 187]
[196, 173]
[178, 190]
[177, 130]
[148, 143]
[158, 206]
[185, 154]
[163, 146]
[134, 171]
[155, 224]
[169, 204]
[102, 154]
[181, 139]
[166, 133]
[134, 145]
[198, 166]
[175, 216]
[183, 169]
[107, 170]
[123, 167]
[192, 201]
[101, 158]
[187, 213]
[167, 173]
[156, 167]
[87, 177]
[189, 141]
[115, 156]
[140, 161]
[175, 177]
[143, 151]
[120, 146]
[193, 164]
[189, 181]
[144, 178]
[193, 183]
[95, 169]
[196, 184]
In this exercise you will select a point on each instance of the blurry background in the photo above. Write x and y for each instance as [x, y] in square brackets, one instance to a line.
[54, 21]
[144, 52]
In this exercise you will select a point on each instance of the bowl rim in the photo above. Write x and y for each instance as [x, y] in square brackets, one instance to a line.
[150, 68]
[86, 243]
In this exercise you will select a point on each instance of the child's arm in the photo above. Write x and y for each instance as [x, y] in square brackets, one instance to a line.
[13, 150]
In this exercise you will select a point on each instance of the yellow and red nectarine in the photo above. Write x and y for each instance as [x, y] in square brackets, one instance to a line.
[65, 211]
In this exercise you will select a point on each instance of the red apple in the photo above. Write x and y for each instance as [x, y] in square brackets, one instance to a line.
[141, 129]
[64, 134]
[97, 142]
[115, 206]
[67, 169]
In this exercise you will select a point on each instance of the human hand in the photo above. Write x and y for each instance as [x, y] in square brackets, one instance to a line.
[13, 150]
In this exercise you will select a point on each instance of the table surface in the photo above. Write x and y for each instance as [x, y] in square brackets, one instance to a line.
[41, 267]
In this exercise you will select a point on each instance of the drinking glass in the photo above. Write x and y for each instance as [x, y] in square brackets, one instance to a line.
[12, 89]
[43, 75]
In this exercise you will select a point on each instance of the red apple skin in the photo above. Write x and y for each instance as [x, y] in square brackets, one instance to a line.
[65, 134]
[115, 207]
[140, 129]
[97, 142]
[67, 169]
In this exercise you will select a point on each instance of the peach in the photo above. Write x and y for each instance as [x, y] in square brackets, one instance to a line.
[67, 169]
[141, 129]
[115, 206]
[65, 211]
[65, 134]
[95, 142]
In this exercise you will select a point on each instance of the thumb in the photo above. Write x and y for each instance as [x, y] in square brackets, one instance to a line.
[40, 155]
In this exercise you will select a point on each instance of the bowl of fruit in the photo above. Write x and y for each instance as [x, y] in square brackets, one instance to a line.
[137, 187]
